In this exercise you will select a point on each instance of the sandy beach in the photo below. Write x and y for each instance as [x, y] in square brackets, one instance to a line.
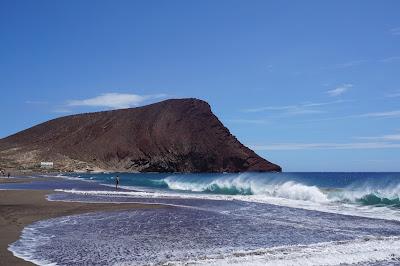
[18, 208]
[20, 179]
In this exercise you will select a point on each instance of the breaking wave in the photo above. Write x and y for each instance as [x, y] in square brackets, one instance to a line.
[361, 189]
[368, 193]
[248, 185]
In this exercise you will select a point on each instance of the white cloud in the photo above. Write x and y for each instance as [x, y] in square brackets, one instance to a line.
[388, 114]
[326, 146]
[345, 65]
[301, 111]
[390, 59]
[350, 64]
[393, 95]
[302, 108]
[115, 100]
[270, 108]
[248, 121]
[395, 31]
[62, 110]
[339, 90]
[390, 137]
[36, 102]
[326, 103]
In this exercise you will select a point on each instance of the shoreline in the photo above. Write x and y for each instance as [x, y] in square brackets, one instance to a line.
[19, 208]
[28, 179]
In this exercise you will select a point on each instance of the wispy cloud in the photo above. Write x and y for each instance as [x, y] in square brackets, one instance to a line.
[339, 90]
[344, 65]
[114, 100]
[325, 103]
[395, 31]
[36, 102]
[302, 108]
[248, 121]
[62, 110]
[389, 137]
[393, 94]
[301, 111]
[390, 59]
[350, 64]
[326, 146]
[269, 108]
[388, 114]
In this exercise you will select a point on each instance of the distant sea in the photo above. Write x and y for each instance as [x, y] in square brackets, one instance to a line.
[223, 219]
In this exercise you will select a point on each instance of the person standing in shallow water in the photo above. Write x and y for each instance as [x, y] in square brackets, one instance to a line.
[116, 182]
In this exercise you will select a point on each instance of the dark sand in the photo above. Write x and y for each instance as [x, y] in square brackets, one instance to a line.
[5, 180]
[18, 208]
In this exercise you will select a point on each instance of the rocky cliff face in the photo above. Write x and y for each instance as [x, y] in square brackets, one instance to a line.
[181, 135]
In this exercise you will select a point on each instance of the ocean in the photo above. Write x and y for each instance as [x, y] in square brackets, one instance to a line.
[222, 219]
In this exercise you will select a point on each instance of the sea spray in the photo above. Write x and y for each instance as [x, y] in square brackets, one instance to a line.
[205, 229]
[374, 192]
[248, 184]
[282, 218]
[362, 189]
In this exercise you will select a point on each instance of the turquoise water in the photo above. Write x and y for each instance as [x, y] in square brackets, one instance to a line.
[378, 189]
[222, 219]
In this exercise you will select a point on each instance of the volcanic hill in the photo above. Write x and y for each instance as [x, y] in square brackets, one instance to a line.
[177, 135]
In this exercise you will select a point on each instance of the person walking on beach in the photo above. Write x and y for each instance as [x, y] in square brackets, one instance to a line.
[116, 182]
[8, 175]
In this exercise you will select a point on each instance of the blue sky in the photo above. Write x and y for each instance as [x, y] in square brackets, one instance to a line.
[310, 85]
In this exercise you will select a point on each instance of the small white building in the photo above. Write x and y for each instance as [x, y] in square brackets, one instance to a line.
[47, 165]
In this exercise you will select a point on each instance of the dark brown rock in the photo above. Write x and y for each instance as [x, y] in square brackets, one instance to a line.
[179, 135]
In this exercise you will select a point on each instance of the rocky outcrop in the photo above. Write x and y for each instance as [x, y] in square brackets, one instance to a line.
[178, 135]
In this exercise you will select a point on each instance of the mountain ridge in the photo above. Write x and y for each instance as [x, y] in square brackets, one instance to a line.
[175, 135]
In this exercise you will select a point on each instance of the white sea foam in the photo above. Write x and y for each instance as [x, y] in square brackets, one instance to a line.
[357, 200]
[360, 199]
[366, 250]
[390, 191]
[111, 242]
[282, 187]
[331, 207]
[245, 184]
[31, 239]
[76, 178]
